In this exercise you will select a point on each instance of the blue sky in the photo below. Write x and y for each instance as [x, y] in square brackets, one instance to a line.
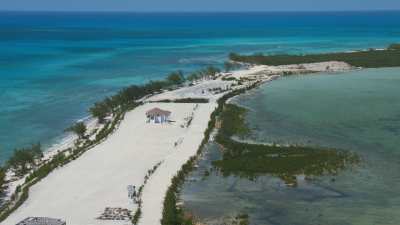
[199, 5]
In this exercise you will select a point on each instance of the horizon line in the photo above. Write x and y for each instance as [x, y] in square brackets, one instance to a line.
[205, 11]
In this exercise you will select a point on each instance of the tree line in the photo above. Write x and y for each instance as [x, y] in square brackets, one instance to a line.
[130, 95]
[21, 161]
[372, 58]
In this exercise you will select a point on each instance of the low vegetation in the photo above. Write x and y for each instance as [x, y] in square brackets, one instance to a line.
[286, 162]
[231, 65]
[2, 177]
[229, 79]
[394, 47]
[239, 219]
[185, 100]
[208, 72]
[176, 78]
[24, 159]
[138, 198]
[389, 57]
[124, 99]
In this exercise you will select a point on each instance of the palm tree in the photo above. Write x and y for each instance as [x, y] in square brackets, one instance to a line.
[176, 78]
[78, 128]
[2, 178]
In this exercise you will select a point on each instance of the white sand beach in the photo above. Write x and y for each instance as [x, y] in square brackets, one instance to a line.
[80, 191]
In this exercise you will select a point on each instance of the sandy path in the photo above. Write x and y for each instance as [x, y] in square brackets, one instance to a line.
[159, 182]
[79, 192]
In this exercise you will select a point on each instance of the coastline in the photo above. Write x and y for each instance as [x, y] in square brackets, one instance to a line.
[61, 143]
[99, 178]
[153, 195]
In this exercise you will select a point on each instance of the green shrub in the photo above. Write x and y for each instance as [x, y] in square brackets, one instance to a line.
[78, 128]
[176, 78]
[185, 100]
[24, 157]
[2, 178]
[229, 79]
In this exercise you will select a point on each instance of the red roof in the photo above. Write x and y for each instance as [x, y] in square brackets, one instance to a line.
[157, 112]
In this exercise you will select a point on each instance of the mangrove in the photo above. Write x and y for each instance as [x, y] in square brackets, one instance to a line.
[285, 162]
[372, 58]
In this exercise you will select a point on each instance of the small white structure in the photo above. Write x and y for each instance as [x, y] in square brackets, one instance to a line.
[157, 115]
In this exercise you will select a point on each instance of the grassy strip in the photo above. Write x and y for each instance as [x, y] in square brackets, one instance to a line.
[389, 57]
[138, 213]
[184, 100]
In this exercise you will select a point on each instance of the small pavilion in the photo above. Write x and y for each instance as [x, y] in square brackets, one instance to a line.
[157, 115]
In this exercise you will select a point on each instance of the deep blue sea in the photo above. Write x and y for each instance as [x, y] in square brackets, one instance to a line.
[53, 66]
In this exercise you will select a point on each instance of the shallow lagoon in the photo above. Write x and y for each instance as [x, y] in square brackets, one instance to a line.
[359, 111]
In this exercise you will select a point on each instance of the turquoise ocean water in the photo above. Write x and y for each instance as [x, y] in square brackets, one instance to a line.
[357, 111]
[53, 66]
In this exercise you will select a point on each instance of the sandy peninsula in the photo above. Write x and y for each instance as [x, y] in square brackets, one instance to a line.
[80, 191]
